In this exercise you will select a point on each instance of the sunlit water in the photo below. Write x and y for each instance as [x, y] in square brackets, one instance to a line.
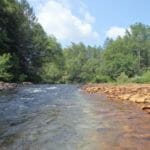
[62, 117]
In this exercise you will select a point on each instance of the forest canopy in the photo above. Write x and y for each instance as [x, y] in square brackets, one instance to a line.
[27, 53]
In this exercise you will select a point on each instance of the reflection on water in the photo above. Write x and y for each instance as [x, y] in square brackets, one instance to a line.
[62, 117]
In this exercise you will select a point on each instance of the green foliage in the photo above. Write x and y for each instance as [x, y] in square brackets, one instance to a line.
[22, 77]
[24, 38]
[144, 78]
[35, 56]
[101, 79]
[5, 66]
[50, 73]
[116, 63]
[129, 54]
[123, 78]
[81, 62]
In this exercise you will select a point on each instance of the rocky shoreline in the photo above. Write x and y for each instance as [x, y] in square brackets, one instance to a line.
[137, 93]
[7, 86]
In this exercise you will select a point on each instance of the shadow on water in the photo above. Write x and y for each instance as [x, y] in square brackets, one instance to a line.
[62, 117]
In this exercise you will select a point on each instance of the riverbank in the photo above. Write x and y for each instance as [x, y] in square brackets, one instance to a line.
[137, 93]
[7, 86]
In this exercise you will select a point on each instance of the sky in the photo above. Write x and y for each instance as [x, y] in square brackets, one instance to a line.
[89, 21]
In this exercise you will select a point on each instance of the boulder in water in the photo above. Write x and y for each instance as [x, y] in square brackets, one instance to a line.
[27, 83]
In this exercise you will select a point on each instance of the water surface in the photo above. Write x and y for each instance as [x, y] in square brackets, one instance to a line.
[62, 117]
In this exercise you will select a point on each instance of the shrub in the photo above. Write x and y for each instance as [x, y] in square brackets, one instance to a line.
[144, 78]
[101, 79]
[123, 78]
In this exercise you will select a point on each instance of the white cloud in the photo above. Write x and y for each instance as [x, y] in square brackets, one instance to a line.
[57, 18]
[85, 13]
[114, 32]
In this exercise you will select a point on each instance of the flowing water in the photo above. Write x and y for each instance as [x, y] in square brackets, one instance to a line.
[62, 117]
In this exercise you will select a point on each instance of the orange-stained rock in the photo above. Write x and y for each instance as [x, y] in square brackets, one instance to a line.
[124, 96]
[146, 108]
[138, 93]
[141, 100]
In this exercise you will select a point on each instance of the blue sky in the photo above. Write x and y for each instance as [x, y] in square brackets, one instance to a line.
[89, 21]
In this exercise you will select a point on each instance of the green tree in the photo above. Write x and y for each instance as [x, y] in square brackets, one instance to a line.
[5, 66]
[82, 62]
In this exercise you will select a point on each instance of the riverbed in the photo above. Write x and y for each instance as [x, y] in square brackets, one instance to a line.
[63, 117]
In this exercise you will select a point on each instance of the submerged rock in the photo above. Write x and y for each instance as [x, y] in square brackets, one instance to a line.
[146, 108]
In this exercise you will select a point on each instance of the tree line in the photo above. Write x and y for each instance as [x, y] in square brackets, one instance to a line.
[27, 53]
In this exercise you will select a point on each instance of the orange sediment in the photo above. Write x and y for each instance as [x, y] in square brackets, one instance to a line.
[137, 93]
